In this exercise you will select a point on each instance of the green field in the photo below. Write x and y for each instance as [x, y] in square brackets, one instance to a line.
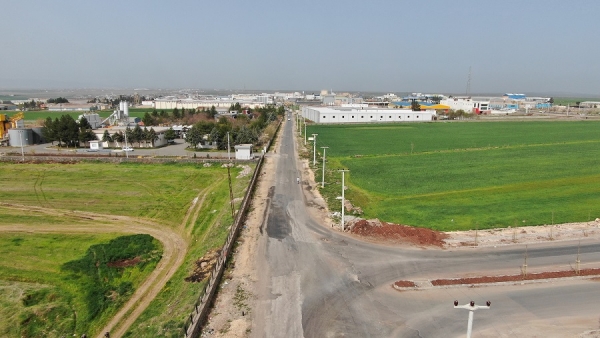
[42, 115]
[450, 176]
[158, 192]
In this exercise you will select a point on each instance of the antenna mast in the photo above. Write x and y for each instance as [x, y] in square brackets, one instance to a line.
[469, 83]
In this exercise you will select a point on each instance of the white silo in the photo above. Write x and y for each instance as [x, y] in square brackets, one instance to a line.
[126, 108]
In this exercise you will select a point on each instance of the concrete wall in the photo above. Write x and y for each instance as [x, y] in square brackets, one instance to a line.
[354, 115]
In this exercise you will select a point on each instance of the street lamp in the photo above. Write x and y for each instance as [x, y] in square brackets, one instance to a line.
[323, 176]
[314, 149]
[343, 188]
[471, 307]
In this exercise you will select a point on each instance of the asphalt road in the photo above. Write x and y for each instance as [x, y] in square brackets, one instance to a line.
[316, 282]
[176, 149]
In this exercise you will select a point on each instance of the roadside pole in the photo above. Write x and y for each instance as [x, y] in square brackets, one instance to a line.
[323, 176]
[343, 188]
[315, 149]
[471, 307]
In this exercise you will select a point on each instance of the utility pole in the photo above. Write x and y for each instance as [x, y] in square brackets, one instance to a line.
[315, 149]
[228, 156]
[343, 188]
[304, 130]
[323, 176]
[471, 307]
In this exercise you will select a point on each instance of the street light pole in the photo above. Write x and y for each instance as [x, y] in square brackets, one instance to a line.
[323, 176]
[471, 307]
[315, 149]
[343, 188]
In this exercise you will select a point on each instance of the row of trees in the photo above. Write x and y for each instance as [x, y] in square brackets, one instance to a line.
[156, 118]
[58, 100]
[241, 129]
[135, 135]
[68, 132]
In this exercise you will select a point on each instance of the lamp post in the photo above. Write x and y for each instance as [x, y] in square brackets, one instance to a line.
[471, 307]
[323, 176]
[314, 149]
[343, 188]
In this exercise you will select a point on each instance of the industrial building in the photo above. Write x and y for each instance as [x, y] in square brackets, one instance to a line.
[365, 115]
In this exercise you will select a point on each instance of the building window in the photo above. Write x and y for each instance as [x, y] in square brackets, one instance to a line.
[417, 116]
[352, 116]
[371, 116]
[390, 116]
[342, 116]
[362, 117]
[333, 116]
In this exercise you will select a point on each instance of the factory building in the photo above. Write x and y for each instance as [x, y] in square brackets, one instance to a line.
[365, 115]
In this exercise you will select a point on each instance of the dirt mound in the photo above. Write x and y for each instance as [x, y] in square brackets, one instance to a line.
[203, 266]
[397, 233]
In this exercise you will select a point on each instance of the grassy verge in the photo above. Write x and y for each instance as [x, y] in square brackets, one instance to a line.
[167, 313]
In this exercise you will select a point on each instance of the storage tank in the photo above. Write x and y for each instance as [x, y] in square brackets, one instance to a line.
[20, 137]
[126, 108]
[38, 135]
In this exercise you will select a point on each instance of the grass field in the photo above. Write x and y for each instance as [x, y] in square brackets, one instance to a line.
[42, 115]
[450, 176]
[163, 193]
[38, 297]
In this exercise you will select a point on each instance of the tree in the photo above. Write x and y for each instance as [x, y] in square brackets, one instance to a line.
[66, 131]
[138, 135]
[193, 137]
[49, 131]
[415, 106]
[170, 134]
[154, 113]
[84, 124]
[148, 119]
[118, 137]
[213, 112]
[152, 136]
[176, 113]
[87, 135]
[106, 137]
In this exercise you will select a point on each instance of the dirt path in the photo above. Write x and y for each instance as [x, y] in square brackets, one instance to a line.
[174, 251]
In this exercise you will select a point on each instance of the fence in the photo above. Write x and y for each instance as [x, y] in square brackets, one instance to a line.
[195, 320]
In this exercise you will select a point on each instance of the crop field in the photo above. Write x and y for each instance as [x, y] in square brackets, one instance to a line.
[456, 176]
[43, 114]
[91, 204]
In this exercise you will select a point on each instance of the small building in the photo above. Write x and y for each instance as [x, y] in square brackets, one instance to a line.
[243, 152]
[95, 145]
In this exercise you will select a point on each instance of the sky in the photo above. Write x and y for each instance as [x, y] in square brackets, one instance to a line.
[541, 46]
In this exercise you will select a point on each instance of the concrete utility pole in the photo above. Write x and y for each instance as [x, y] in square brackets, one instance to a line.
[343, 188]
[315, 149]
[323, 176]
[471, 307]
[304, 130]
[228, 156]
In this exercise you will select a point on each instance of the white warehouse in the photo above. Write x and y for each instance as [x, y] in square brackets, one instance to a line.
[365, 115]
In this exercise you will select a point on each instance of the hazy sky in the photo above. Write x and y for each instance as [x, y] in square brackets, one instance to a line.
[392, 46]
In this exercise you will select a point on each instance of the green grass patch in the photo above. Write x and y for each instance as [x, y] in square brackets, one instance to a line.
[162, 192]
[450, 176]
[57, 285]
[169, 310]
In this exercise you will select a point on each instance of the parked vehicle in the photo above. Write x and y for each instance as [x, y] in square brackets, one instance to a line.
[127, 149]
